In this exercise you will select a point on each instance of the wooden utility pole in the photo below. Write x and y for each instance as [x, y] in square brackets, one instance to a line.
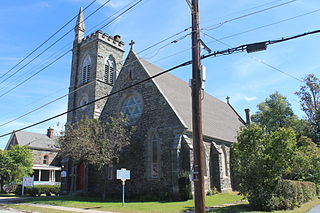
[198, 165]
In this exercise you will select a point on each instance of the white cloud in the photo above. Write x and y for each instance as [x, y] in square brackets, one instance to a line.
[250, 98]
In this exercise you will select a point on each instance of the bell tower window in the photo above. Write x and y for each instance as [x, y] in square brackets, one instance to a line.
[86, 67]
[109, 70]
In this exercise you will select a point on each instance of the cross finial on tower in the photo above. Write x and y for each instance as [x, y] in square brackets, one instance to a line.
[228, 98]
[132, 44]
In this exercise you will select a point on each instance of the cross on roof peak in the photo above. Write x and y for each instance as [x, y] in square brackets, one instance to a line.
[228, 98]
[132, 44]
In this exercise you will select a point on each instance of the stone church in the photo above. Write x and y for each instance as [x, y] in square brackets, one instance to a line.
[160, 109]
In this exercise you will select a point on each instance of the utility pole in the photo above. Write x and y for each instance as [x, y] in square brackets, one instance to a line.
[198, 164]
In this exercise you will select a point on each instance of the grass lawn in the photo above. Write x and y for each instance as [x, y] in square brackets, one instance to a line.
[245, 208]
[152, 207]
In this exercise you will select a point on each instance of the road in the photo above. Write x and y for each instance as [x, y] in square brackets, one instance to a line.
[315, 209]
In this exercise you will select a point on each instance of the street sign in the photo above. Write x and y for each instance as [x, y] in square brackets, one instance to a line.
[123, 175]
[27, 181]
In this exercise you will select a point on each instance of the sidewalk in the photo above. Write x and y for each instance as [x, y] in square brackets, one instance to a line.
[63, 208]
[12, 200]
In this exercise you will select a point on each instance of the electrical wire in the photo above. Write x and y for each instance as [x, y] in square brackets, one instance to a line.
[54, 43]
[62, 54]
[228, 51]
[268, 25]
[215, 26]
[45, 41]
[106, 96]
[260, 60]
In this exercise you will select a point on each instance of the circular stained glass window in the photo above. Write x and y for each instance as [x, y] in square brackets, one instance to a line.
[132, 108]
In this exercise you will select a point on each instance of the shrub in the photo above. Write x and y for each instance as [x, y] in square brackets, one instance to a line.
[38, 190]
[287, 194]
[184, 186]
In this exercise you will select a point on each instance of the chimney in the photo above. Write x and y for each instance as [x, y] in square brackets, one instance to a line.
[117, 38]
[50, 132]
[248, 118]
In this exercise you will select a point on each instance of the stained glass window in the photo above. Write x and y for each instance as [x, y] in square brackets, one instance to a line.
[132, 108]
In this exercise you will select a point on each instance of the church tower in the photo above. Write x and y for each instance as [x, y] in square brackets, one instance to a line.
[96, 61]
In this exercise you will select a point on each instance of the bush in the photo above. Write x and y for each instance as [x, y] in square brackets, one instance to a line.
[288, 194]
[184, 186]
[39, 190]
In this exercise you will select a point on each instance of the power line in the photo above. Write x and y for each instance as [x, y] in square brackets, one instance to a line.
[45, 41]
[268, 25]
[64, 53]
[243, 10]
[246, 15]
[243, 48]
[59, 39]
[59, 98]
[240, 48]
[106, 96]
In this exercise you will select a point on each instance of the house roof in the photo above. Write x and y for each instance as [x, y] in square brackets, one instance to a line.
[219, 119]
[34, 140]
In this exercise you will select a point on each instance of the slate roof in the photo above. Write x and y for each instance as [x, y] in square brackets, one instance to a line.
[220, 121]
[35, 140]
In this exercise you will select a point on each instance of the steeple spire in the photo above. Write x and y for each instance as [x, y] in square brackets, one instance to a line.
[80, 27]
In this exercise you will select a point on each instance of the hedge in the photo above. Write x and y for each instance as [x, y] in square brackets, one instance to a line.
[39, 190]
[287, 194]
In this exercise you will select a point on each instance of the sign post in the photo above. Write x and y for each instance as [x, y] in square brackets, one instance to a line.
[123, 175]
[26, 181]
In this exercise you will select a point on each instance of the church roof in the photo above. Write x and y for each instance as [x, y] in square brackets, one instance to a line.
[219, 119]
[33, 140]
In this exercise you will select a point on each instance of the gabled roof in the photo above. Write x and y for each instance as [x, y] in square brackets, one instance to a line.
[219, 120]
[33, 140]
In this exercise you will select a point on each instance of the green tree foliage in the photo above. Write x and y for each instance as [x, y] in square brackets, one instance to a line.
[309, 95]
[260, 159]
[15, 163]
[275, 112]
[306, 163]
[95, 142]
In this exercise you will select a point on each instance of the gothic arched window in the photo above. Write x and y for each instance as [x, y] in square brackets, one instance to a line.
[154, 154]
[86, 66]
[109, 70]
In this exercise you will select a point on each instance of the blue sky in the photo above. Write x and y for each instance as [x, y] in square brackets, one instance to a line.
[245, 78]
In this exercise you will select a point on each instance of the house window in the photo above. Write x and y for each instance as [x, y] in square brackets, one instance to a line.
[86, 67]
[109, 70]
[132, 108]
[45, 160]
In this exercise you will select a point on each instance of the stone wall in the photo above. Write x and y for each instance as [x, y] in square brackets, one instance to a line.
[156, 116]
[38, 157]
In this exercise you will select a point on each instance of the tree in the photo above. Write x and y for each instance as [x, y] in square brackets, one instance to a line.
[309, 95]
[95, 142]
[15, 163]
[275, 112]
[306, 162]
[260, 159]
